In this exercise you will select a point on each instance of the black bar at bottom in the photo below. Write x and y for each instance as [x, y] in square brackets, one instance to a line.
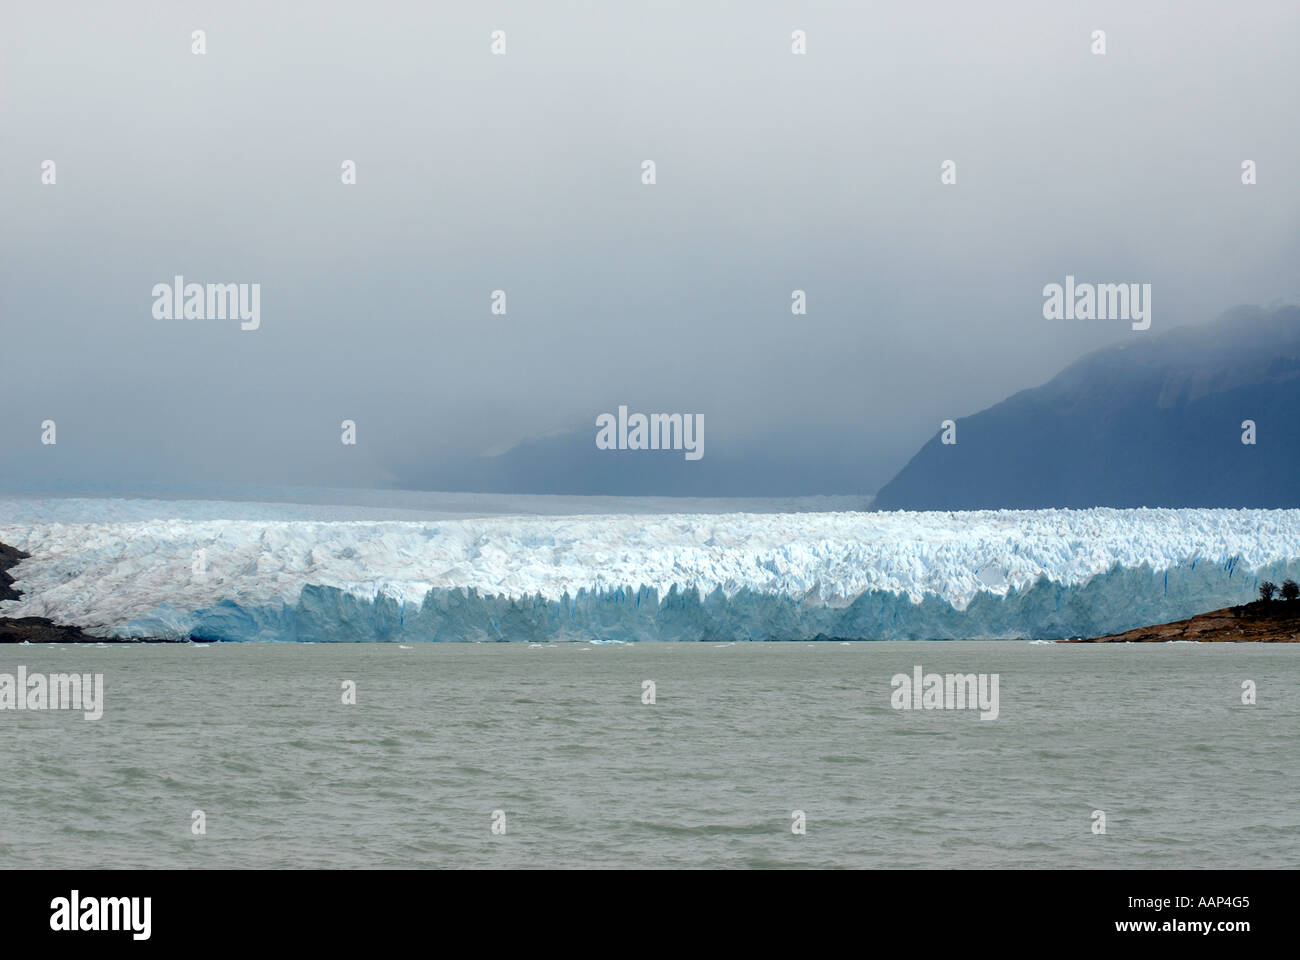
[975, 909]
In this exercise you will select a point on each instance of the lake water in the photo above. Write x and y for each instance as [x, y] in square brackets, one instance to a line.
[557, 738]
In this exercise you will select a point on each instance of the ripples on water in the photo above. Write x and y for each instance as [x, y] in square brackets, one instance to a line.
[442, 735]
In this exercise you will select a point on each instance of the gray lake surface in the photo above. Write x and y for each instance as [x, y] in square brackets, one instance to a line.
[556, 738]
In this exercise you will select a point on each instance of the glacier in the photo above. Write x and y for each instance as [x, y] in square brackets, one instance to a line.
[214, 570]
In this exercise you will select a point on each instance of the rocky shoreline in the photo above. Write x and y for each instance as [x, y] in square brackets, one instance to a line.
[40, 629]
[1271, 621]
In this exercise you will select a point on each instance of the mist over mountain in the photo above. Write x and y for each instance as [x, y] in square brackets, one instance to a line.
[815, 462]
[1156, 422]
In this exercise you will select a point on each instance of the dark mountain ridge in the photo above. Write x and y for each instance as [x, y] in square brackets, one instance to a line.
[1156, 422]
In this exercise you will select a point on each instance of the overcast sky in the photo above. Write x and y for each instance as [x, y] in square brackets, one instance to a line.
[522, 172]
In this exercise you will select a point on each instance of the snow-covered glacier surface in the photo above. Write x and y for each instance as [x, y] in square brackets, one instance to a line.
[176, 569]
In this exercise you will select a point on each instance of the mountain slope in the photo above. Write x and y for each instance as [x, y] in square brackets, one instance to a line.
[1155, 423]
[569, 462]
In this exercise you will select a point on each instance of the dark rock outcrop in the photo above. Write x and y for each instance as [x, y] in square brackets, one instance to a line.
[9, 556]
[1276, 621]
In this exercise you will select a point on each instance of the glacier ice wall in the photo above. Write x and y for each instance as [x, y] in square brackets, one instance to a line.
[904, 575]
